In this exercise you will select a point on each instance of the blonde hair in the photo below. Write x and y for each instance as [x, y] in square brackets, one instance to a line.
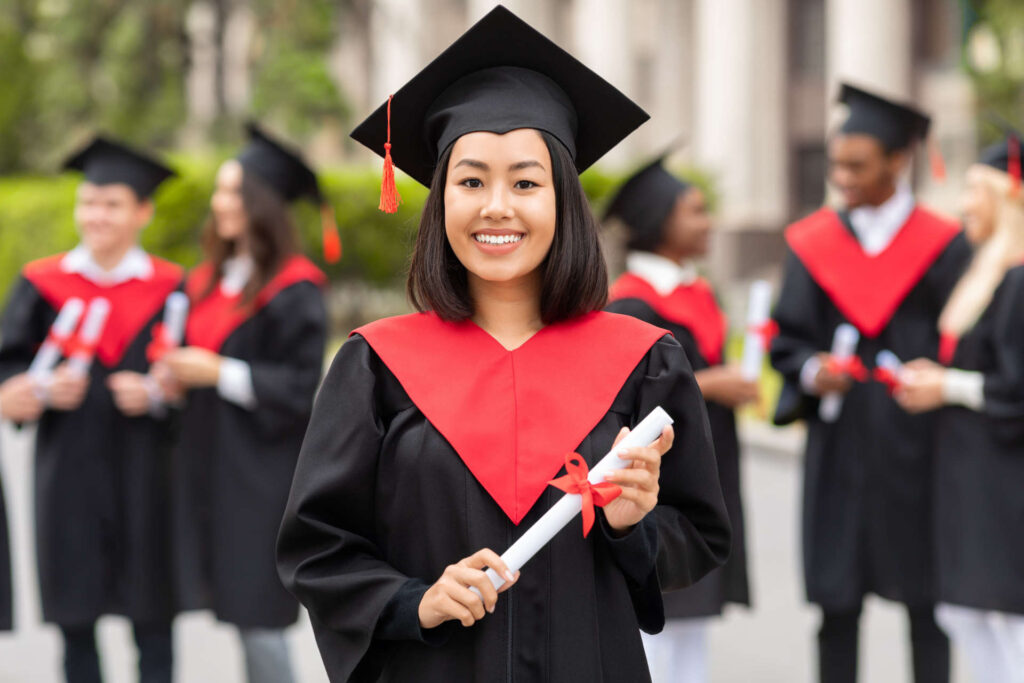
[1003, 248]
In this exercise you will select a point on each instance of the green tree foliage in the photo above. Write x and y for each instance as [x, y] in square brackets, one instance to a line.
[993, 55]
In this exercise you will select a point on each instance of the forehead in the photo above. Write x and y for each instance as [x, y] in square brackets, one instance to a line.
[857, 145]
[516, 145]
[110, 192]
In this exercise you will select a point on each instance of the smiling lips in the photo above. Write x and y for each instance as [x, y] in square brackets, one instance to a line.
[503, 240]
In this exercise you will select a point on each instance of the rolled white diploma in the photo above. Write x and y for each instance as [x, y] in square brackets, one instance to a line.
[758, 313]
[889, 360]
[570, 505]
[175, 314]
[50, 352]
[92, 329]
[844, 345]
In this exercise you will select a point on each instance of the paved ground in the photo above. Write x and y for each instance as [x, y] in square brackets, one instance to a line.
[770, 644]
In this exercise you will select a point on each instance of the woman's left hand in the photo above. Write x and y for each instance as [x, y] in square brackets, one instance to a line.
[920, 389]
[639, 482]
[193, 367]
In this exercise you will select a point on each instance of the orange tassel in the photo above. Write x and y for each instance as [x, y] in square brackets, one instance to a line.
[329, 231]
[389, 197]
[1013, 164]
[938, 164]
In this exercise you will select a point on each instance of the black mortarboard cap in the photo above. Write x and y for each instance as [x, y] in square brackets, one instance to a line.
[279, 166]
[500, 75]
[644, 201]
[284, 170]
[1005, 155]
[105, 162]
[895, 125]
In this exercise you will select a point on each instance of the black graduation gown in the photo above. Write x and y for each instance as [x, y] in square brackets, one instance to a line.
[729, 583]
[101, 478]
[382, 502]
[979, 507]
[233, 466]
[6, 599]
[868, 477]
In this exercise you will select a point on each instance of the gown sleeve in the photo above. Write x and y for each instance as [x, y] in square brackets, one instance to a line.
[688, 533]
[286, 370]
[1004, 386]
[339, 574]
[797, 313]
[22, 329]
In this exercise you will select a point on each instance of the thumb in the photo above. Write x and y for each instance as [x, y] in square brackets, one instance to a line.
[621, 435]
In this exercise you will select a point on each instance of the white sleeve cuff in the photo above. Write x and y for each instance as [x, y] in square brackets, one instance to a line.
[234, 383]
[157, 402]
[808, 375]
[965, 388]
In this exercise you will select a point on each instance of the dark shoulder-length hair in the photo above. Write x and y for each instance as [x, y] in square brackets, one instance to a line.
[271, 235]
[573, 281]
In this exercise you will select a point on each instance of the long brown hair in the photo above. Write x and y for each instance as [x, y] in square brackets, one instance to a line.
[574, 279]
[271, 235]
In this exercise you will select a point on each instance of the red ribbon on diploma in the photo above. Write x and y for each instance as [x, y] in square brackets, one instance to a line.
[160, 345]
[767, 331]
[887, 377]
[575, 481]
[74, 346]
[852, 366]
[62, 343]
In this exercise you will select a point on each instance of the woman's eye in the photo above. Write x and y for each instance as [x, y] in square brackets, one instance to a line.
[525, 184]
[472, 182]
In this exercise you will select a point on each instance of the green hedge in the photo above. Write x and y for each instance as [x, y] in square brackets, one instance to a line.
[36, 218]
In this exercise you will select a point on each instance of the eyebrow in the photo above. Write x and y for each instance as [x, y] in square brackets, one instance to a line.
[518, 166]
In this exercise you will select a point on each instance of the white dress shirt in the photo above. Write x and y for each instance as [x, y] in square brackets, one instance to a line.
[661, 273]
[234, 383]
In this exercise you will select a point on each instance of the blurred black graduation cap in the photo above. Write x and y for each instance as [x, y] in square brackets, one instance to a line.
[645, 200]
[500, 75]
[106, 162]
[284, 170]
[896, 125]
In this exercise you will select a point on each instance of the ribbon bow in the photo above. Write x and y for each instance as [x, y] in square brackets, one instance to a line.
[767, 331]
[575, 481]
[887, 377]
[160, 344]
[851, 365]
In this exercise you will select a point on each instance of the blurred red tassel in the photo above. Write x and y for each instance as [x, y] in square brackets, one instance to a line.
[329, 230]
[389, 197]
[1013, 164]
[938, 164]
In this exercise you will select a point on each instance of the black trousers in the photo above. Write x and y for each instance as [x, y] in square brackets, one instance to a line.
[838, 645]
[82, 659]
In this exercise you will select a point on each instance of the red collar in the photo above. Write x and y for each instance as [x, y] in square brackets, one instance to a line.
[512, 416]
[214, 317]
[133, 303]
[693, 306]
[868, 290]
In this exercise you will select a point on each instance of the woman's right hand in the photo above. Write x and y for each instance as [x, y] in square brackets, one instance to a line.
[450, 597]
[726, 385]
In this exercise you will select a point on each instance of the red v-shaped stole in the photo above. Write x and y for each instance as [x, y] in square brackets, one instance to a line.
[693, 306]
[512, 416]
[214, 317]
[868, 290]
[132, 303]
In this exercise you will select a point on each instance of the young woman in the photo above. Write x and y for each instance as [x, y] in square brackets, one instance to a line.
[980, 447]
[668, 226]
[255, 344]
[434, 435]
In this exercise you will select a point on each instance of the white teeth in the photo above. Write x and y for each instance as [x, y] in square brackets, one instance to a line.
[497, 239]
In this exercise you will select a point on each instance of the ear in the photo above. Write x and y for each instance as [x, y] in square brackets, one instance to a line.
[144, 213]
[898, 161]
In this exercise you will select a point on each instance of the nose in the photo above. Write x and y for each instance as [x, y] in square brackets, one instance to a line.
[497, 206]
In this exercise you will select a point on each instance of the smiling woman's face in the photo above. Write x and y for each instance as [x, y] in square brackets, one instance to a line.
[499, 204]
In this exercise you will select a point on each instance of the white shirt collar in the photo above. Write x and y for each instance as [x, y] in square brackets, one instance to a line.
[877, 226]
[237, 271]
[135, 264]
[663, 274]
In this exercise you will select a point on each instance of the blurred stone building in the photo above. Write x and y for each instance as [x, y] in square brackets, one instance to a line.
[747, 83]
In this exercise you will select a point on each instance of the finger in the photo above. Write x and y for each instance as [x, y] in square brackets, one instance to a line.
[479, 580]
[508, 584]
[457, 591]
[452, 609]
[643, 458]
[620, 436]
[665, 441]
[486, 557]
[638, 478]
